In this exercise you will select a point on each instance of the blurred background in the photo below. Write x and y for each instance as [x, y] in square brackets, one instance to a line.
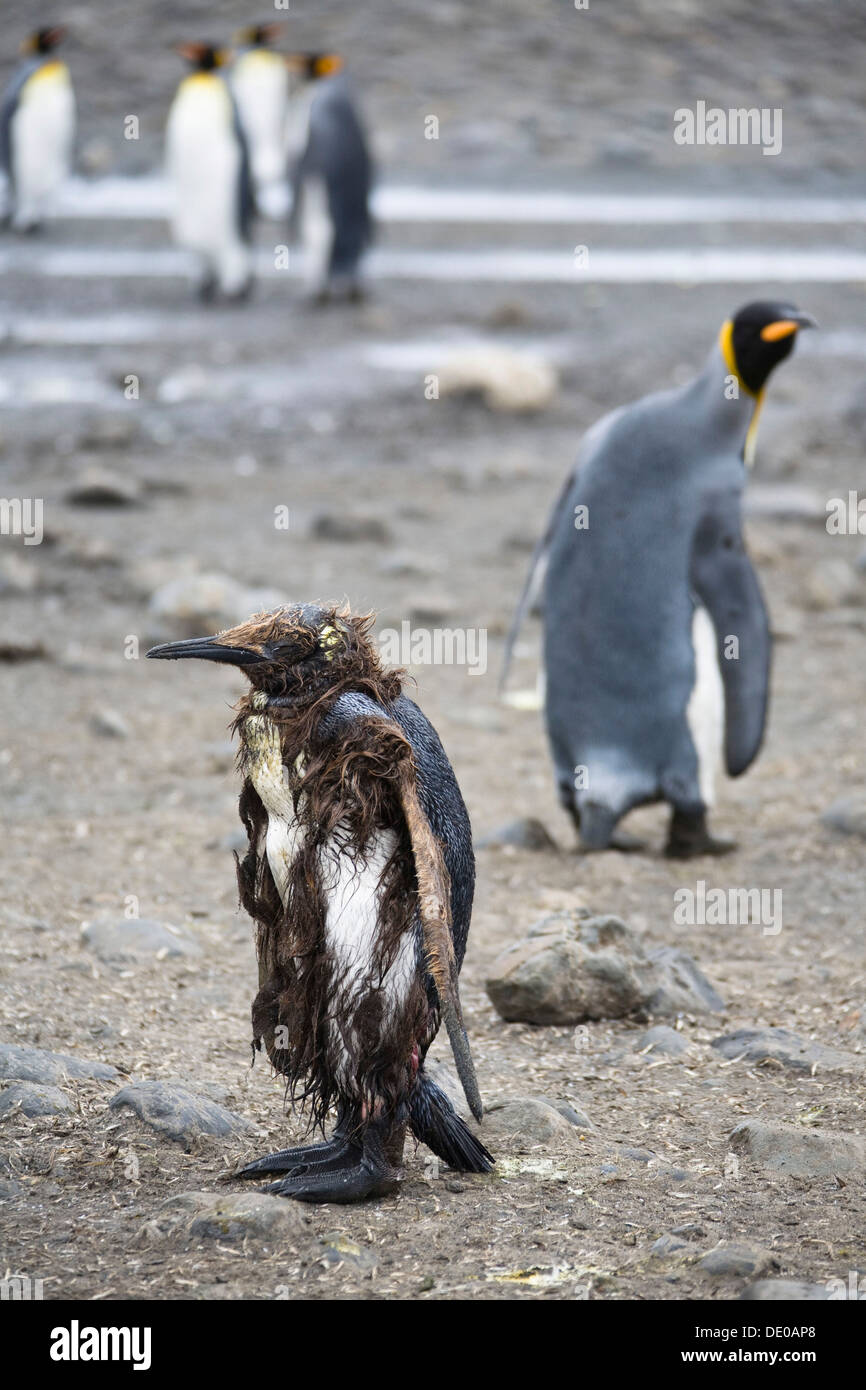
[552, 254]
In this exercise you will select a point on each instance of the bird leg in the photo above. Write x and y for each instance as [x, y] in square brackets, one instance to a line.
[367, 1166]
[689, 836]
[284, 1160]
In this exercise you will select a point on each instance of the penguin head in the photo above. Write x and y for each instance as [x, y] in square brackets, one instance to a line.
[202, 57]
[309, 67]
[258, 35]
[303, 648]
[44, 40]
[758, 338]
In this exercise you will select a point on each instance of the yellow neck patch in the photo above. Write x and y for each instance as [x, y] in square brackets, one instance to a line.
[726, 346]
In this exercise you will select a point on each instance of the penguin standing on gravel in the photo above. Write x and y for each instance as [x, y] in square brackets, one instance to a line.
[656, 639]
[360, 877]
[331, 178]
[208, 168]
[260, 84]
[37, 130]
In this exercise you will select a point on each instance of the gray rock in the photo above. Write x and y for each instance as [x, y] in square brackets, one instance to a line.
[790, 1049]
[34, 1099]
[9, 1188]
[99, 487]
[524, 1124]
[784, 1291]
[123, 940]
[682, 987]
[177, 1112]
[662, 1039]
[799, 1151]
[667, 1245]
[525, 833]
[109, 724]
[847, 815]
[578, 1118]
[348, 529]
[32, 1064]
[572, 967]
[732, 1258]
[230, 1216]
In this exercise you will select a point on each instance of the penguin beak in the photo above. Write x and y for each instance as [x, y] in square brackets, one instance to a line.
[783, 328]
[207, 649]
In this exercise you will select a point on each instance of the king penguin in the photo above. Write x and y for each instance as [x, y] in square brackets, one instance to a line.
[359, 876]
[656, 638]
[260, 83]
[37, 130]
[208, 168]
[331, 177]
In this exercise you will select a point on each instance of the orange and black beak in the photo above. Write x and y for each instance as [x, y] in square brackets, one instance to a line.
[783, 328]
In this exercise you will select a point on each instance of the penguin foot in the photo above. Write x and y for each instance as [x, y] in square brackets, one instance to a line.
[354, 1176]
[689, 838]
[285, 1160]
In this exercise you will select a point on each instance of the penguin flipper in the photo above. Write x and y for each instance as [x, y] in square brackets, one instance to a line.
[725, 582]
[434, 1122]
[434, 902]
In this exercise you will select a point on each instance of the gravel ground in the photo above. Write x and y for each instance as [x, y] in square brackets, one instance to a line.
[119, 793]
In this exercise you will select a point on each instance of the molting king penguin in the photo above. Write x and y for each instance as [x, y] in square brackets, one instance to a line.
[208, 167]
[656, 639]
[331, 177]
[360, 877]
[260, 83]
[37, 130]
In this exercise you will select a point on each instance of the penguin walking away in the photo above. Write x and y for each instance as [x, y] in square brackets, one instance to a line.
[37, 131]
[360, 877]
[208, 168]
[260, 84]
[332, 175]
[656, 639]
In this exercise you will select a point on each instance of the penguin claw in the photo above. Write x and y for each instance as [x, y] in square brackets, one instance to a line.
[287, 1159]
[353, 1180]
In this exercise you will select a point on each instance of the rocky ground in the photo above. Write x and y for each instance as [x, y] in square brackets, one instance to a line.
[679, 1147]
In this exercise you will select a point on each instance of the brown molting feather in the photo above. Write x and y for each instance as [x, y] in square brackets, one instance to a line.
[344, 794]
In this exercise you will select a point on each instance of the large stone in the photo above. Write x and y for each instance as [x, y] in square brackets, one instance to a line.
[20, 1063]
[34, 1100]
[573, 966]
[755, 1045]
[123, 940]
[800, 1151]
[99, 487]
[784, 1291]
[526, 1123]
[733, 1258]
[178, 1112]
[228, 1216]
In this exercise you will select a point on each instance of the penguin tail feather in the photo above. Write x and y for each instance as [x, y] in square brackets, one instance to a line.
[435, 1122]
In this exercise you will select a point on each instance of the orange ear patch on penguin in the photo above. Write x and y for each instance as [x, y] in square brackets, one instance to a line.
[783, 328]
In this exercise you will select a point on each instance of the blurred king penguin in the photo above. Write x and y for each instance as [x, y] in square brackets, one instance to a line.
[37, 130]
[260, 83]
[208, 167]
[656, 638]
[331, 177]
